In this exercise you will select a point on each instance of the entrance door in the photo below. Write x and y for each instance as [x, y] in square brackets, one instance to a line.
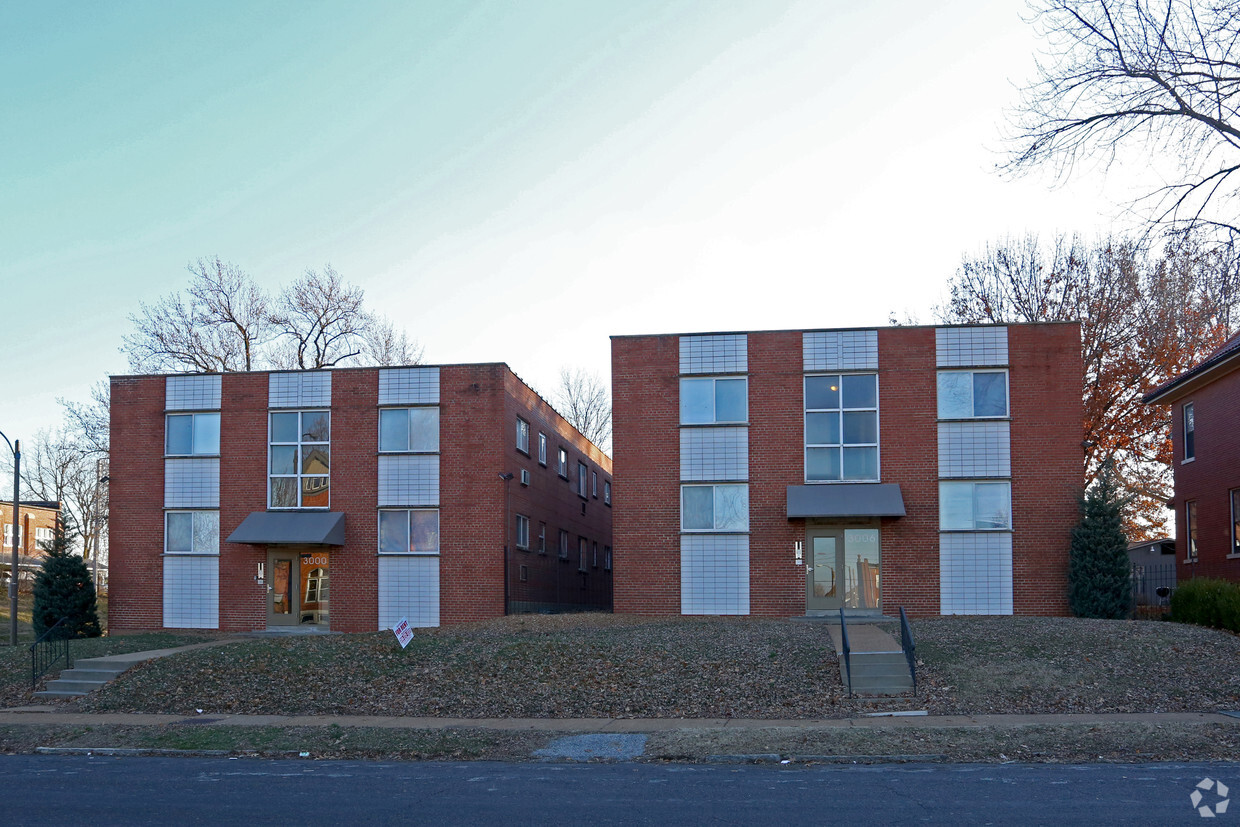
[822, 570]
[842, 570]
[282, 581]
[297, 587]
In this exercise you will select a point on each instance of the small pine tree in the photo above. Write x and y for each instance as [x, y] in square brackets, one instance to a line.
[64, 588]
[1098, 568]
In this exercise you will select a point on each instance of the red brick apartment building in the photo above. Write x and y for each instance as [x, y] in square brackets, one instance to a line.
[38, 526]
[1205, 435]
[348, 499]
[799, 472]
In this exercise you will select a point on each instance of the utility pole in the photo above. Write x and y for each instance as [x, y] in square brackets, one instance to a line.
[16, 448]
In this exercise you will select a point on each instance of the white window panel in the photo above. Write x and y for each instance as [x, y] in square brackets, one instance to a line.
[971, 346]
[714, 575]
[408, 479]
[714, 454]
[409, 386]
[192, 483]
[300, 389]
[408, 588]
[839, 350]
[726, 353]
[975, 449]
[191, 592]
[192, 393]
[975, 574]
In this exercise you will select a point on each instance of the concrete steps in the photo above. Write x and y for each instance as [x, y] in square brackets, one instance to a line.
[878, 664]
[87, 675]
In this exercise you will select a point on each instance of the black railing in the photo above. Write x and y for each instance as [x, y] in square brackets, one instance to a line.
[47, 651]
[1152, 584]
[847, 651]
[909, 647]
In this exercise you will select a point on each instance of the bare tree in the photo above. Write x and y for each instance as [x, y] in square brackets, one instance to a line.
[1145, 317]
[1158, 76]
[321, 321]
[383, 344]
[219, 324]
[585, 401]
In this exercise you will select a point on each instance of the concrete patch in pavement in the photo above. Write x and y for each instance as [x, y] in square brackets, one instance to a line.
[594, 747]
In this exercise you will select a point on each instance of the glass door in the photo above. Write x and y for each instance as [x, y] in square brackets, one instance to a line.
[823, 567]
[282, 597]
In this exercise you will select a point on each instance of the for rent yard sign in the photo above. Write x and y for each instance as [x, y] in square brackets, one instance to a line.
[403, 632]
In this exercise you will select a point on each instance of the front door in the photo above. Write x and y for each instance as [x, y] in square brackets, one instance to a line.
[282, 576]
[822, 570]
[842, 570]
[297, 587]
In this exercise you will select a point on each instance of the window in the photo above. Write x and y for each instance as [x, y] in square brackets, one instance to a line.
[714, 508]
[975, 506]
[188, 435]
[300, 457]
[43, 535]
[972, 394]
[711, 401]
[1235, 521]
[542, 449]
[606, 558]
[594, 559]
[841, 427]
[192, 532]
[8, 535]
[542, 538]
[409, 429]
[523, 532]
[409, 531]
[563, 466]
[581, 554]
[581, 479]
[523, 436]
[1190, 516]
[563, 545]
[316, 587]
[607, 492]
[1190, 441]
[594, 484]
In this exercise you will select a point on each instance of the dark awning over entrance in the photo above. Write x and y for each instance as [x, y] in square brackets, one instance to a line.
[323, 528]
[863, 499]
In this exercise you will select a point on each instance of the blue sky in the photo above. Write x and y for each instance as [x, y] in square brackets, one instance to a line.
[508, 181]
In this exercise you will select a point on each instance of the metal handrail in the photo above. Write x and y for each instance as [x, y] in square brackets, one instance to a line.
[46, 653]
[847, 651]
[909, 647]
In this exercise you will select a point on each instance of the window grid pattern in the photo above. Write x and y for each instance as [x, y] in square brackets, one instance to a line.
[409, 386]
[726, 353]
[714, 575]
[975, 449]
[192, 483]
[192, 393]
[408, 479]
[191, 592]
[408, 588]
[708, 454]
[971, 346]
[300, 389]
[975, 574]
[840, 350]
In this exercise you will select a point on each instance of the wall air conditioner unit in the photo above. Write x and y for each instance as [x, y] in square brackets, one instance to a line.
[525, 477]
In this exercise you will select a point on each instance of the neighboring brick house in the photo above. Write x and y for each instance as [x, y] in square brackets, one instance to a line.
[799, 472]
[38, 526]
[348, 499]
[1205, 435]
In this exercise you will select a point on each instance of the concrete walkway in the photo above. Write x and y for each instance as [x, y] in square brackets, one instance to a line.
[877, 662]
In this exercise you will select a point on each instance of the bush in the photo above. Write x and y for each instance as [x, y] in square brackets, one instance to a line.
[1206, 601]
[63, 588]
[1099, 573]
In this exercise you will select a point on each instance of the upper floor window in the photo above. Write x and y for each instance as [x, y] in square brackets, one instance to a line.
[192, 532]
[542, 449]
[581, 479]
[43, 536]
[299, 459]
[523, 436]
[973, 394]
[709, 401]
[841, 427]
[8, 534]
[1235, 521]
[409, 531]
[606, 558]
[714, 507]
[594, 484]
[542, 538]
[1190, 517]
[563, 545]
[581, 553]
[192, 434]
[607, 492]
[975, 506]
[409, 429]
[1190, 442]
[562, 468]
[523, 532]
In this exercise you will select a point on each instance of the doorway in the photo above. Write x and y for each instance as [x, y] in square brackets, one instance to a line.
[298, 588]
[842, 570]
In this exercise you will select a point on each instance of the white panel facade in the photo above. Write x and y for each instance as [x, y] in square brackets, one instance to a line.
[191, 592]
[409, 386]
[192, 393]
[725, 353]
[975, 573]
[714, 574]
[839, 350]
[962, 347]
[408, 588]
[300, 389]
[192, 483]
[408, 479]
[714, 454]
[975, 449]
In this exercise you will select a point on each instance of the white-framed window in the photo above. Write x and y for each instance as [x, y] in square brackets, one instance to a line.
[409, 430]
[8, 535]
[523, 532]
[1190, 436]
[581, 479]
[973, 394]
[191, 435]
[44, 536]
[1190, 518]
[563, 544]
[594, 557]
[1235, 522]
[316, 586]
[562, 468]
[299, 459]
[542, 449]
[714, 508]
[607, 492]
[841, 427]
[523, 436]
[714, 400]
[975, 506]
[191, 532]
[542, 538]
[409, 531]
[594, 484]
[581, 554]
[606, 558]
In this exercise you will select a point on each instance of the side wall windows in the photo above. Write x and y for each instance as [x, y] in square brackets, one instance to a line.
[523, 436]
[1190, 517]
[1190, 435]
